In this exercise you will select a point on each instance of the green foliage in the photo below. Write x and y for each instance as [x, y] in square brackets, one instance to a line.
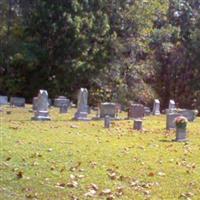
[120, 50]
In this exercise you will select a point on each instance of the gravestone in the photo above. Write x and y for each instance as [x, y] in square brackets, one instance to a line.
[189, 114]
[63, 109]
[172, 106]
[156, 107]
[50, 102]
[108, 109]
[17, 101]
[181, 135]
[147, 111]
[61, 100]
[34, 104]
[137, 124]
[107, 121]
[82, 107]
[170, 117]
[42, 113]
[136, 111]
[3, 100]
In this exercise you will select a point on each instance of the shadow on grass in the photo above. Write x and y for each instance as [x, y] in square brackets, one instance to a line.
[167, 141]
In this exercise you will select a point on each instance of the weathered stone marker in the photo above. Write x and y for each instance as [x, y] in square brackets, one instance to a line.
[181, 135]
[147, 111]
[156, 107]
[63, 109]
[189, 114]
[42, 112]
[61, 100]
[3, 100]
[170, 123]
[82, 108]
[109, 109]
[34, 104]
[136, 111]
[17, 101]
[181, 129]
[137, 124]
[107, 121]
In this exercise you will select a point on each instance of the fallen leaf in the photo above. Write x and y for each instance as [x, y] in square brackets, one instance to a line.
[72, 184]
[90, 193]
[8, 158]
[20, 175]
[60, 185]
[94, 186]
[110, 197]
[151, 174]
[112, 175]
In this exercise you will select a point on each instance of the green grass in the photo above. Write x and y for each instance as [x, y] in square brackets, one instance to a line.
[40, 159]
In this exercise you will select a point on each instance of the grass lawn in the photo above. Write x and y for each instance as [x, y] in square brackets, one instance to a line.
[64, 159]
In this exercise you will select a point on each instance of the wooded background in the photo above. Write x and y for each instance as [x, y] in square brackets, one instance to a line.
[120, 50]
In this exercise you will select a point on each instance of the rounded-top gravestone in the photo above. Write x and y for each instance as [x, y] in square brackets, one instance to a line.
[82, 107]
[42, 112]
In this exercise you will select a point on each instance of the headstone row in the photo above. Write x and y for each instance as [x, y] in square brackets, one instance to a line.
[14, 101]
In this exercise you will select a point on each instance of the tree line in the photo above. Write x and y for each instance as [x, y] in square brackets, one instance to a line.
[120, 50]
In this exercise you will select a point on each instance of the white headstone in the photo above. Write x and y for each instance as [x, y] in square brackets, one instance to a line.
[42, 112]
[82, 107]
[156, 107]
[172, 105]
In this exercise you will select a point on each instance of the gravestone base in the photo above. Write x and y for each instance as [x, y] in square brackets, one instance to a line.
[41, 116]
[181, 135]
[107, 122]
[17, 102]
[63, 109]
[82, 116]
[181, 140]
[137, 125]
[157, 113]
[102, 118]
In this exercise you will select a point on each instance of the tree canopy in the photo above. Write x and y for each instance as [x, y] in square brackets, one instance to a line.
[120, 50]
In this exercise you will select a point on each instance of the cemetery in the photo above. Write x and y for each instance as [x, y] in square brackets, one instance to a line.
[100, 100]
[51, 154]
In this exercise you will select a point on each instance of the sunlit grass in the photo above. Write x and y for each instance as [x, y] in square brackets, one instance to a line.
[61, 158]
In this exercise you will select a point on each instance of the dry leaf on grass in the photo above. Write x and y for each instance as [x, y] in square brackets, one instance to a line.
[90, 193]
[72, 184]
[20, 175]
